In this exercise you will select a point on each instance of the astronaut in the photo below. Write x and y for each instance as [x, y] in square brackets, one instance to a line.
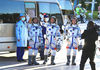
[46, 20]
[35, 36]
[43, 25]
[73, 32]
[52, 32]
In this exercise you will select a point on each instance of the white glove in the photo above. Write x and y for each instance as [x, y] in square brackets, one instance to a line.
[27, 18]
[45, 36]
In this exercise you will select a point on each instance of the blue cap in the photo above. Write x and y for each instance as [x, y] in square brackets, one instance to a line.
[22, 14]
[46, 16]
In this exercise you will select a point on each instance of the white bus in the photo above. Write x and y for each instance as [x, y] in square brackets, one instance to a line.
[9, 15]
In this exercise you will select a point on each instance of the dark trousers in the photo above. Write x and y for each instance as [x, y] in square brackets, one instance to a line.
[85, 56]
[20, 53]
[42, 49]
[42, 53]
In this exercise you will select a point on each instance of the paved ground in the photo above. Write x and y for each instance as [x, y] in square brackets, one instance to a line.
[8, 62]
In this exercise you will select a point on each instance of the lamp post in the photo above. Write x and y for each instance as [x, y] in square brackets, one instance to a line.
[92, 6]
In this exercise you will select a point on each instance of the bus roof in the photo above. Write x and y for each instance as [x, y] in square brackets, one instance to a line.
[52, 1]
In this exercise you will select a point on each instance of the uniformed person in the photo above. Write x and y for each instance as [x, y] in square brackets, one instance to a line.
[52, 32]
[73, 32]
[35, 39]
[43, 25]
[21, 37]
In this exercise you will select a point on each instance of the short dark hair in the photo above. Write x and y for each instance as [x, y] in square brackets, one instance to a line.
[90, 25]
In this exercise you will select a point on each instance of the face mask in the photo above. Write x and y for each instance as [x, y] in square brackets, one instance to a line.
[47, 19]
[23, 19]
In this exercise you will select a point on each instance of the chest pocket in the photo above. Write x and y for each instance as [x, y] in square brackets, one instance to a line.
[37, 30]
[49, 30]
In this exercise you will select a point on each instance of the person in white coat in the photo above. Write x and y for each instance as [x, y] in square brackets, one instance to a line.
[21, 37]
[35, 38]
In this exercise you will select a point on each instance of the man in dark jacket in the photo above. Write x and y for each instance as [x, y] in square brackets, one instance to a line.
[90, 35]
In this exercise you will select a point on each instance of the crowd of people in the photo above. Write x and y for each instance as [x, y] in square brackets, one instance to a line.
[48, 36]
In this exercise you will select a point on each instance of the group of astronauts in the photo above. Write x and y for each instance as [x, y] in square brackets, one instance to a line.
[51, 39]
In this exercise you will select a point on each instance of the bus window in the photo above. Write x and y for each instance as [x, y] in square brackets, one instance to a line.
[30, 9]
[65, 4]
[52, 9]
[9, 11]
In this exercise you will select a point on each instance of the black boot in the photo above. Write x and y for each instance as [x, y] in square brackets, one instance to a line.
[52, 60]
[45, 59]
[29, 60]
[73, 60]
[92, 65]
[34, 61]
[68, 60]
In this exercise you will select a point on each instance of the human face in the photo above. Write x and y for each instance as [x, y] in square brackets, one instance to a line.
[74, 21]
[52, 20]
[35, 20]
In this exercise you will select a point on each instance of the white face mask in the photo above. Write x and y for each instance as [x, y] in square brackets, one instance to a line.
[47, 19]
[23, 18]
